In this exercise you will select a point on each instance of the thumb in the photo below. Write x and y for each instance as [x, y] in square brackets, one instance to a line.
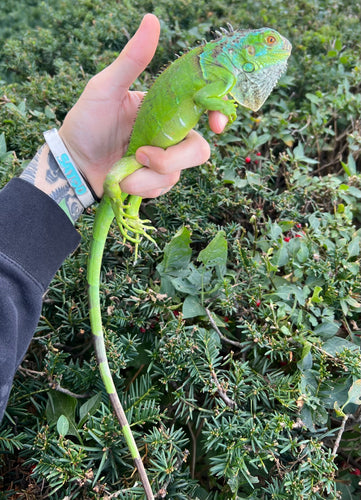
[135, 56]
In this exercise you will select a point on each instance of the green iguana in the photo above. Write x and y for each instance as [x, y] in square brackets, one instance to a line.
[245, 64]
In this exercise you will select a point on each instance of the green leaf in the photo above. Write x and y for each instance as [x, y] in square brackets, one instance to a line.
[230, 176]
[20, 109]
[285, 292]
[336, 345]
[313, 98]
[89, 408]
[353, 302]
[316, 295]
[350, 167]
[354, 394]
[192, 307]
[3, 149]
[326, 329]
[306, 358]
[346, 490]
[332, 53]
[61, 404]
[177, 252]
[338, 45]
[337, 392]
[353, 248]
[354, 191]
[62, 425]
[338, 410]
[183, 285]
[254, 179]
[215, 253]
[49, 113]
[299, 155]
[307, 418]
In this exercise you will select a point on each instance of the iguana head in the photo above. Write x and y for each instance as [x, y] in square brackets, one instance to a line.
[257, 58]
[260, 58]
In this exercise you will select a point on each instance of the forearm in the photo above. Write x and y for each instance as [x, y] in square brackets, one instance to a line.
[44, 173]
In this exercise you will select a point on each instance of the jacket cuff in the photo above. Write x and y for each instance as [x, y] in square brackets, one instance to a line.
[34, 231]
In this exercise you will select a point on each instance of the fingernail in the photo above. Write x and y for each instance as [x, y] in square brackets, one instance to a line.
[143, 159]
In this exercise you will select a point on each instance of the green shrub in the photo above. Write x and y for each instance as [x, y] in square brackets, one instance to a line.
[235, 348]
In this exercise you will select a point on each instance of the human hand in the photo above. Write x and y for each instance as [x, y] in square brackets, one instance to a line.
[96, 130]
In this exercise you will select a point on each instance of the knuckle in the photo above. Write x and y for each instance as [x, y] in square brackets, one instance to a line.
[200, 147]
[173, 178]
[161, 164]
[204, 150]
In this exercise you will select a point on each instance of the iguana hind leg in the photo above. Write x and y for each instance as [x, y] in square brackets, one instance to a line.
[126, 207]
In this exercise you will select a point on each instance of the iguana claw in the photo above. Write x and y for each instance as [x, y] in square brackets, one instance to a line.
[130, 225]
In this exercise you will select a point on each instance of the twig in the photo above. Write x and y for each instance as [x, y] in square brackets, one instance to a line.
[194, 444]
[229, 402]
[339, 435]
[222, 337]
[121, 492]
[31, 373]
[57, 387]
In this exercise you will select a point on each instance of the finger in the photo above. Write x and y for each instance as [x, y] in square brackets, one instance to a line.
[155, 193]
[217, 121]
[135, 56]
[191, 152]
[149, 184]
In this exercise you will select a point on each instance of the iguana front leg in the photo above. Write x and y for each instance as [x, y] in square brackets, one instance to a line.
[126, 207]
[211, 96]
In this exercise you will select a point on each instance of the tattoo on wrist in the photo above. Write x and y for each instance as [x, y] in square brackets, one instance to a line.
[44, 173]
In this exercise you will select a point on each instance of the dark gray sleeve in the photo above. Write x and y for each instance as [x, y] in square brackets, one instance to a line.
[35, 238]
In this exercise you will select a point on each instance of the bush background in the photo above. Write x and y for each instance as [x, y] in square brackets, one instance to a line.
[231, 362]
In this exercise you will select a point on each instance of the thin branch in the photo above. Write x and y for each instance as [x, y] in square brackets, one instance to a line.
[339, 435]
[229, 402]
[217, 330]
[31, 373]
[121, 492]
[57, 387]
[194, 444]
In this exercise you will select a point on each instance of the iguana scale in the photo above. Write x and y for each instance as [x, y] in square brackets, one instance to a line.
[245, 64]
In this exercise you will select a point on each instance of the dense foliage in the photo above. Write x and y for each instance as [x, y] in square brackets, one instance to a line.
[235, 346]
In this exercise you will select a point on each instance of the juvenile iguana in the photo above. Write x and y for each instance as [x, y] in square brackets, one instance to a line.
[245, 64]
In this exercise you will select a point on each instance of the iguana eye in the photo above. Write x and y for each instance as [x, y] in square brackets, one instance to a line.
[271, 40]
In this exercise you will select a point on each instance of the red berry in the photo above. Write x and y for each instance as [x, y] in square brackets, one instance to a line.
[356, 472]
[258, 154]
[298, 225]
[287, 238]
[258, 302]
[248, 159]
[142, 329]
[298, 235]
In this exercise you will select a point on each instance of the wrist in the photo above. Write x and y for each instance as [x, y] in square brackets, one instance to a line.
[68, 167]
[44, 173]
[93, 175]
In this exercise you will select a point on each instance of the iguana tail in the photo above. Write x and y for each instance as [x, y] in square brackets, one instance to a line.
[103, 219]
